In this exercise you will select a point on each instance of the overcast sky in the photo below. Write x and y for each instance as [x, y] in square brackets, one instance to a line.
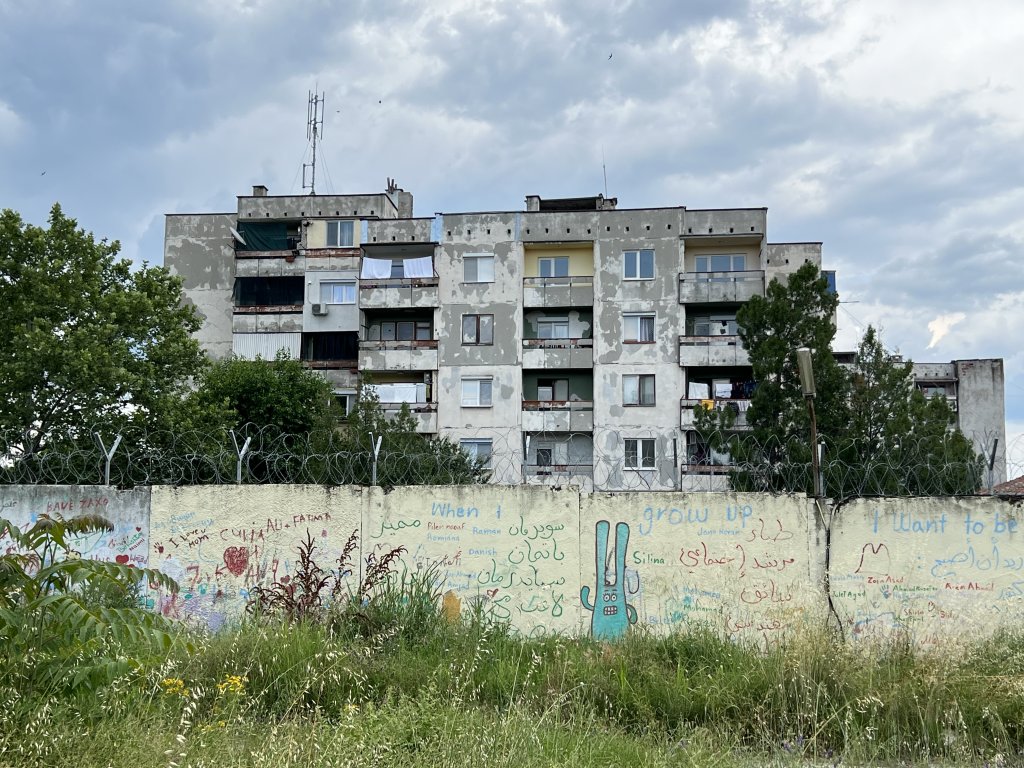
[891, 131]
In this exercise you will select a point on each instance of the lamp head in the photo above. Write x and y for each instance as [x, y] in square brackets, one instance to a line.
[803, 361]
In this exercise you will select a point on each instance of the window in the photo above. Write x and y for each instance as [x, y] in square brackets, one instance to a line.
[638, 328]
[638, 265]
[478, 329]
[269, 291]
[478, 268]
[638, 389]
[552, 389]
[340, 234]
[343, 402]
[544, 457]
[726, 262]
[714, 325]
[478, 450]
[338, 292]
[553, 266]
[640, 453]
[476, 393]
[402, 330]
[553, 328]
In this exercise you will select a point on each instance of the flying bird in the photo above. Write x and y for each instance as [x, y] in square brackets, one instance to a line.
[610, 56]
[43, 173]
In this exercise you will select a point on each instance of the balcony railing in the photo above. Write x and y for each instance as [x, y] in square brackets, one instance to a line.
[574, 280]
[711, 287]
[712, 350]
[546, 470]
[392, 344]
[399, 282]
[705, 468]
[688, 407]
[557, 343]
[258, 309]
[326, 365]
[399, 292]
[572, 291]
[558, 405]
[558, 416]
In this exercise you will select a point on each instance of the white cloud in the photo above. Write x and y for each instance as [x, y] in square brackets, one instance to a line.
[942, 325]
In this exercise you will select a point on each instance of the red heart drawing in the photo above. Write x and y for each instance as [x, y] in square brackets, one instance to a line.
[138, 528]
[285, 580]
[492, 592]
[122, 559]
[236, 559]
[160, 548]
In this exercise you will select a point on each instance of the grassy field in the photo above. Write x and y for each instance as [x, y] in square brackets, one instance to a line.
[401, 686]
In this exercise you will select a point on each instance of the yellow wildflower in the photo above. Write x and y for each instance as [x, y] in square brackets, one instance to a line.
[232, 684]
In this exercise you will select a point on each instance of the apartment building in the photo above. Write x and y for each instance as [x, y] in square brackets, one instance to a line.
[568, 342]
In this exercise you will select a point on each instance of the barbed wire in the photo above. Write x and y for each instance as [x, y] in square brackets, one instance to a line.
[643, 459]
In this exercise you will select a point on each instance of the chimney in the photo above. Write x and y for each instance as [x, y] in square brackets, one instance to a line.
[258, 190]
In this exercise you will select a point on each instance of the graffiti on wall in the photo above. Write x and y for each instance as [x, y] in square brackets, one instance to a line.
[612, 615]
[512, 555]
[218, 552]
[938, 570]
[741, 566]
[127, 511]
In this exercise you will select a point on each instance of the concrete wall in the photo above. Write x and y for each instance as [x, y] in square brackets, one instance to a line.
[752, 567]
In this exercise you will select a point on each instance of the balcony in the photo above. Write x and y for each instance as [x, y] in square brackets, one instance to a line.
[712, 350]
[424, 414]
[398, 355]
[558, 353]
[577, 291]
[558, 416]
[720, 287]
[688, 415]
[398, 293]
[560, 474]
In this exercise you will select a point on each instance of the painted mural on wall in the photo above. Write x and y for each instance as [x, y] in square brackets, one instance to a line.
[612, 614]
[743, 566]
[511, 552]
[218, 543]
[934, 571]
[127, 511]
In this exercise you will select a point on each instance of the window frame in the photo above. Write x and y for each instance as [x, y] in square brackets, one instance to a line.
[549, 322]
[732, 262]
[477, 401]
[476, 443]
[542, 261]
[638, 264]
[638, 316]
[476, 258]
[338, 225]
[477, 326]
[639, 453]
[334, 283]
[640, 378]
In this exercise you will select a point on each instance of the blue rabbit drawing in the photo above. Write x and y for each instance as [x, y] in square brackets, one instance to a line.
[612, 615]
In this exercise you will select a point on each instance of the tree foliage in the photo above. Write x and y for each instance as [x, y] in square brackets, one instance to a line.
[880, 434]
[86, 339]
[67, 621]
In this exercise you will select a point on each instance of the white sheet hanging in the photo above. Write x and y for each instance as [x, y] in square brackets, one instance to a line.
[421, 267]
[375, 269]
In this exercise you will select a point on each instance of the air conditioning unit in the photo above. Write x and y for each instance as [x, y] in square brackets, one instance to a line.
[319, 310]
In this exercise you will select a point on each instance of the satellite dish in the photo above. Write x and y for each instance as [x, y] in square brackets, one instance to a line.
[235, 234]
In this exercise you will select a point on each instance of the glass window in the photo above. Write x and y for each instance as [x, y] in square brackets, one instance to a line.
[640, 453]
[478, 268]
[638, 265]
[340, 234]
[476, 393]
[724, 262]
[553, 328]
[638, 328]
[638, 389]
[477, 329]
[424, 330]
[338, 292]
[554, 266]
[478, 450]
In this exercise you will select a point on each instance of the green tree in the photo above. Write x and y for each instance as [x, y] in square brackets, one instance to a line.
[87, 339]
[880, 434]
[279, 393]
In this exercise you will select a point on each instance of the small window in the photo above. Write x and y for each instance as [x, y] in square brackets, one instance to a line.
[640, 453]
[477, 329]
[554, 266]
[544, 457]
[343, 402]
[553, 328]
[340, 234]
[638, 329]
[638, 265]
[725, 262]
[424, 330]
[638, 389]
[338, 292]
[478, 268]
[476, 393]
[478, 450]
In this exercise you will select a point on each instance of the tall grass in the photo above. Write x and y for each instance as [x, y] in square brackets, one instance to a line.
[391, 681]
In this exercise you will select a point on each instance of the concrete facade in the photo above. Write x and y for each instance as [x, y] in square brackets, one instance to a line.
[576, 337]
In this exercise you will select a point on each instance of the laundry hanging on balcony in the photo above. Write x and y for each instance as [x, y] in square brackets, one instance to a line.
[419, 267]
[375, 269]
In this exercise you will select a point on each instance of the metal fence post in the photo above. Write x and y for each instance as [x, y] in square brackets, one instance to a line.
[241, 453]
[107, 455]
[375, 445]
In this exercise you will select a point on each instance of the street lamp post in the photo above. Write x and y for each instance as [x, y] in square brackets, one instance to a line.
[803, 360]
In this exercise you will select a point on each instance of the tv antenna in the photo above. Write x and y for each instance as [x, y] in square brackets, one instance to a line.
[314, 131]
